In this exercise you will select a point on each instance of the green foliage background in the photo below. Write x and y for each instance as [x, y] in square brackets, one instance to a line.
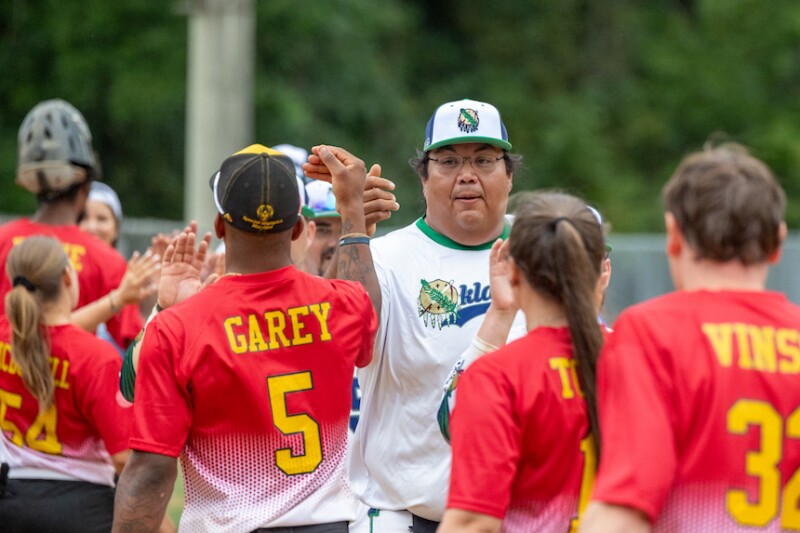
[602, 97]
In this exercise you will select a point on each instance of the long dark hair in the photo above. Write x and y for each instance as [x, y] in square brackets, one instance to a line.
[558, 245]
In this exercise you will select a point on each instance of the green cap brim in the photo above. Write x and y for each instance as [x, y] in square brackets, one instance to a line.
[505, 145]
[325, 214]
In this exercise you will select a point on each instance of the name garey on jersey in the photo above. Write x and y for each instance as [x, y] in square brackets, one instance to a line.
[751, 347]
[257, 332]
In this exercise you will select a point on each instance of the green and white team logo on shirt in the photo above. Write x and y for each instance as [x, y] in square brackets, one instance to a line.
[438, 303]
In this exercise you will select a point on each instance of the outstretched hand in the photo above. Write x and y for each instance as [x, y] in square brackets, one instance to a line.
[213, 268]
[379, 201]
[181, 267]
[346, 173]
[500, 278]
[139, 280]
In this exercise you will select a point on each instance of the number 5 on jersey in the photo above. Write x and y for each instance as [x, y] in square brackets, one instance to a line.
[290, 424]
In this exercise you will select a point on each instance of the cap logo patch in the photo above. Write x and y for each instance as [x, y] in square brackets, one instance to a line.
[468, 120]
[264, 212]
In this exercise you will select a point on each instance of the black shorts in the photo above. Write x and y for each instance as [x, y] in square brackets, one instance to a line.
[39, 505]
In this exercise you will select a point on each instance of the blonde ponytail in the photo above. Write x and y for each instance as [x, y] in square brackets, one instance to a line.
[35, 267]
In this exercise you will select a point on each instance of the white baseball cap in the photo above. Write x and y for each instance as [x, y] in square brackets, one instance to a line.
[296, 154]
[466, 121]
[100, 192]
[321, 199]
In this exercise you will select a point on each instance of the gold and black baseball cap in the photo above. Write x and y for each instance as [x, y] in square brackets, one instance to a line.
[256, 190]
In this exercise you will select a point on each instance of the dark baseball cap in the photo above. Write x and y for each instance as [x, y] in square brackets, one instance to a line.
[256, 190]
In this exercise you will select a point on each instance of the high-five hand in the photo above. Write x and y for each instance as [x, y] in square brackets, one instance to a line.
[180, 269]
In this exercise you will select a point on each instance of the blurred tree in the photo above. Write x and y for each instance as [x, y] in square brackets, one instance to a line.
[601, 97]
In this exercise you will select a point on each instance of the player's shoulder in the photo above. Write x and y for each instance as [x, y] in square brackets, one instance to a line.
[779, 302]
[83, 348]
[672, 304]
[12, 232]
[502, 370]
[337, 289]
[68, 233]
[530, 351]
[181, 324]
[98, 249]
[9, 228]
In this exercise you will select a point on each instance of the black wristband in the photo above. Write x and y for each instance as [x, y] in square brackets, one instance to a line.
[353, 240]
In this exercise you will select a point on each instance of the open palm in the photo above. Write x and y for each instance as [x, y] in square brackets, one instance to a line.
[181, 267]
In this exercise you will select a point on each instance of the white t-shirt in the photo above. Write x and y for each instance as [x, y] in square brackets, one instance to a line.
[434, 295]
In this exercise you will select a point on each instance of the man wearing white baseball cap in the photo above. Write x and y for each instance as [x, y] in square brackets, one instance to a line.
[322, 206]
[434, 292]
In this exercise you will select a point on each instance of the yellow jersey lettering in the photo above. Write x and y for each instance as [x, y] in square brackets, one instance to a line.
[61, 377]
[721, 338]
[276, 323]
[788, 349]
[760, 348]
[257, 343]
[7, 363]
[745, 356]
[75, 252]
[298, 337]
[562, 365]
[320, 311]
[5, 357]
[236, 341]
[763, 342]
[279, 329]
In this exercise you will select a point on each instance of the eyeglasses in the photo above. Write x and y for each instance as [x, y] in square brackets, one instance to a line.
[450, 164]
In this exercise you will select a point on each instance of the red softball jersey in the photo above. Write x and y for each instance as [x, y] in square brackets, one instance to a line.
[522, 449]
[100, 270]
[88, 421]
[699, 400]
[250, 382]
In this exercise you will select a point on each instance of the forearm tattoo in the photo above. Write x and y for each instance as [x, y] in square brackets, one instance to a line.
[141, 501]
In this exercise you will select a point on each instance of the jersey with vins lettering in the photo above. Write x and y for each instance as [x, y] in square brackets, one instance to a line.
[434, 295]
[100, 269]
[522, 450]
[699, 401]
[254, 376]
[88, 421]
